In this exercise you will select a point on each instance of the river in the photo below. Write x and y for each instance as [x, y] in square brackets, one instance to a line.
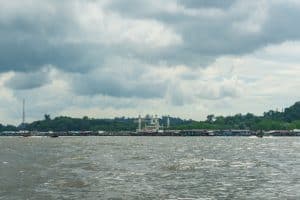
[149, 168]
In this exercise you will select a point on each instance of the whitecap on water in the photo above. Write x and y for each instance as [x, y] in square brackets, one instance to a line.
[71, 183]
[242, 164]
[269, 137]
[185, 164]
[211, 160]
[37, 136]
[78, 158]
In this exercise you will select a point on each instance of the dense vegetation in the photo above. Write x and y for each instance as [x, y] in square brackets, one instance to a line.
[271, 120]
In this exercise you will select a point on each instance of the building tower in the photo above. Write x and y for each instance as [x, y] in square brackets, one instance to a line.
[23, 113]
[156, 123]
[168, 121]
[140, 123]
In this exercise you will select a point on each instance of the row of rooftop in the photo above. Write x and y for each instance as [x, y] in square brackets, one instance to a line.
[192, 132]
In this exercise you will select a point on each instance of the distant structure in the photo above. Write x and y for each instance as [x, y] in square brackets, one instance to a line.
[168, 121]
[23, 113]
[139, 121]
[23, 124]
[151, 124]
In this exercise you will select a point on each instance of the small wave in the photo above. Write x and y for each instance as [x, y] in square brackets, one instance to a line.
[91, 167]
[71, 184]
[37, 136]
[179, 167]
[253, 137]
[269, 137]
[239, 164]
[185, 165]
[114, 178]
[137, 174]
[78, 158]
[211, 160]
[107, 144]
[140, 158]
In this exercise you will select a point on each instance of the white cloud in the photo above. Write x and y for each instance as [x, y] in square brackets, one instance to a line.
[98, 25]
[184, 58]
[250, 22]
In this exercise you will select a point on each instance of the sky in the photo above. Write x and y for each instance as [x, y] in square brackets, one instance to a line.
[110, 58]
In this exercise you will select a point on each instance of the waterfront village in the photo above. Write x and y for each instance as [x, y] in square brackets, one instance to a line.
[150, 126]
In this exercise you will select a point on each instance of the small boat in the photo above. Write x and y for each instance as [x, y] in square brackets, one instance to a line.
[260, 134]
[54, 135]
[25, 134]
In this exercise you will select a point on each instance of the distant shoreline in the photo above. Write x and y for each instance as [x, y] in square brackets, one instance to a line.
[178, 133]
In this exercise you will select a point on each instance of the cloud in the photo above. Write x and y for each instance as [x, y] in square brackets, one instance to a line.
[118, 87]
[31, 80]
[174, 56]
[73, 36]
[80, 35]
[223, 4]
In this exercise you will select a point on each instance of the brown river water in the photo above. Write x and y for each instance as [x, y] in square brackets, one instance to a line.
[208, 168]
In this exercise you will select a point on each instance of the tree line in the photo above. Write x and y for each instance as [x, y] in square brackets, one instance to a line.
[272, 120]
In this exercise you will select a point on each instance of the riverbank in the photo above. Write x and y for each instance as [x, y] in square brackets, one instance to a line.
[182, 133]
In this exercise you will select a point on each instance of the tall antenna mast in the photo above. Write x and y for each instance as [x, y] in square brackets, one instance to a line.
[140, 123]
[23, 115]
[168, 121]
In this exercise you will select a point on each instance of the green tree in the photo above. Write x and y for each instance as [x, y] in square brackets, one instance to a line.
[47, 117]
[210, 118]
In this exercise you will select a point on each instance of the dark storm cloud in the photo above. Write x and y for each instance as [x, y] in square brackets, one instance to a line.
[31, 40]
[33, 54]
[280, 26]
[65, 34]
[26, 81]
[211, 29]
[223, 4]
[118, 87]
[149, 8]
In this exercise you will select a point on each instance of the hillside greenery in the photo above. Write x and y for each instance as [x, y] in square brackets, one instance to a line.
[272, 120]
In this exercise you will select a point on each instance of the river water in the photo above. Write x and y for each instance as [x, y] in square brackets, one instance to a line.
[149, 168]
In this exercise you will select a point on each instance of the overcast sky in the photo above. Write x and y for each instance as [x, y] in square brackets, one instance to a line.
[186, 58]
